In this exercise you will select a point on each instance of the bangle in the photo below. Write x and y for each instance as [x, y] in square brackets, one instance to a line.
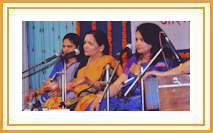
[181, 69]
[103, 83]
[98, 95]
[136, 74]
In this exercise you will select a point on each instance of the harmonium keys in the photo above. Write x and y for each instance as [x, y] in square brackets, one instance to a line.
[169, 93]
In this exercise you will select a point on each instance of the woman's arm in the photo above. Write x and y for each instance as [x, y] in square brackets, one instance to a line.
[117, 85]
[181, 69]
[95, 84]
[39, 91]
[53, 86]
[114, 89]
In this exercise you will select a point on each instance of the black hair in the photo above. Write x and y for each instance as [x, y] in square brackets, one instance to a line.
[150, 33]
[101, 39]
[77, 41]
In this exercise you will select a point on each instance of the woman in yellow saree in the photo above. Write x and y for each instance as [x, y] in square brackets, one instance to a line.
[97, 48]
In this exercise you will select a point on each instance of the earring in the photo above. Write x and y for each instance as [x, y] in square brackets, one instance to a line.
[101, 50]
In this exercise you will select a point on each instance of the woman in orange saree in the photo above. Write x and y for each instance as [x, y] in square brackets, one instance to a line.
[97, 48]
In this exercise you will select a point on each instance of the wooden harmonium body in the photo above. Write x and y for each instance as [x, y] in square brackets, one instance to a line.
[169, 93]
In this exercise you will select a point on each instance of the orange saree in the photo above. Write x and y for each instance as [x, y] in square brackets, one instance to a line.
[94, 72]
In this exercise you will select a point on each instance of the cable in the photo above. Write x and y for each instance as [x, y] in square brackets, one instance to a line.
[27, 91]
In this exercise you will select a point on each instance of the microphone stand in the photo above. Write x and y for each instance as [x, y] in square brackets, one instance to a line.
[107, 80]
[33, 67]
[107, 85]
[142, 73]
[142, 92]
[43, 62]
[172, 48]
[63, 83]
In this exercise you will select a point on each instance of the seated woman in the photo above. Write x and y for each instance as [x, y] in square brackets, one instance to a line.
[88, 81]
[147, 45]
[71, 42]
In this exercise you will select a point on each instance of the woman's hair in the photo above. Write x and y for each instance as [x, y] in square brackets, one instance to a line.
[150, 33]
[77, 41]
[101, 39]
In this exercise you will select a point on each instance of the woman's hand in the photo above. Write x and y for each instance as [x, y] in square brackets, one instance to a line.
[56, 93]
[46, 82]
[134, 69]
[155, 73]
[50, 86]
[72, 86]
[28, 98]
[95, 105]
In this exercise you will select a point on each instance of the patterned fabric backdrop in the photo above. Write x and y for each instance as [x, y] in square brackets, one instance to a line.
[44, 39]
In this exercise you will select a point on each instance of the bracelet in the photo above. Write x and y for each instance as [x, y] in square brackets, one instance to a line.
[103, 83]
[181, 69]
[136, 74]
[99, 95]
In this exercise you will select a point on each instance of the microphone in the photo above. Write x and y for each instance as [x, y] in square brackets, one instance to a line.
[70, 54]
[128, 47]
[171, 46]
[53, 57]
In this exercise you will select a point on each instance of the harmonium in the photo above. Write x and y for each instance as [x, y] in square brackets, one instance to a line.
[169, 93]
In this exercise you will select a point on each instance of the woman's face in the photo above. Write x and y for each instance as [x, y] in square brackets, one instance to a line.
[68, 46]
[91, 47]
[141, 46]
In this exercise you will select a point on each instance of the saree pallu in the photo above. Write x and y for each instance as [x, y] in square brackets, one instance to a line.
[94, 72]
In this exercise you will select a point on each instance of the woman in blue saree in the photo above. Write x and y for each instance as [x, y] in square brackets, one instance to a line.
[70, 42]
[147, 45]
